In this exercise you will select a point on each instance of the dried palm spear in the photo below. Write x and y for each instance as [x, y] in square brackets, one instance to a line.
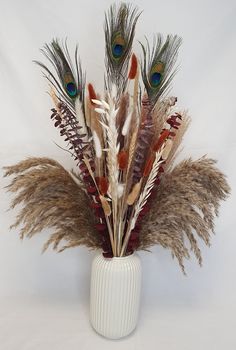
[125, 194]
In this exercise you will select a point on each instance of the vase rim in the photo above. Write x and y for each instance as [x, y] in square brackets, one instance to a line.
[121, 257]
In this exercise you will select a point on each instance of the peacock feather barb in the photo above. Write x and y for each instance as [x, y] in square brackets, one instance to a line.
[125, 193]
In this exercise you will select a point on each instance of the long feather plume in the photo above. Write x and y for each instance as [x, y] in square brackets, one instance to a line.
[158, 64]
[120, 22]
[68, 79]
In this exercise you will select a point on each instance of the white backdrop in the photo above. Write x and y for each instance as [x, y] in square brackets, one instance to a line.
[44, 298]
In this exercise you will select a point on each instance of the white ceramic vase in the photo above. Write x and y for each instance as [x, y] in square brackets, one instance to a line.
[115, 295]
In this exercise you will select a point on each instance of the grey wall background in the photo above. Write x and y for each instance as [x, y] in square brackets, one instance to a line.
[44, 298]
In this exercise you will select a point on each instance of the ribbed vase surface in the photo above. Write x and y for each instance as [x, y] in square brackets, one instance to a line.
[115, 295]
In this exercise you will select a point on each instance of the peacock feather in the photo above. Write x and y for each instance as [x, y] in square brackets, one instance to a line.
[120, 25]
[157, 65]
[69, 82]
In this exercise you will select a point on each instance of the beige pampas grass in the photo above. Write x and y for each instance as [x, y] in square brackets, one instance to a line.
[184, 208]
[51, 199]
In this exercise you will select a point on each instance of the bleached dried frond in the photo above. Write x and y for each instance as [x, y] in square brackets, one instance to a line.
[184, 208]
[51, 199]
[142, 200]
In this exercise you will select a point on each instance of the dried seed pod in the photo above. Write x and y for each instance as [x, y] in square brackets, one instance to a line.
[122, 158]
[103, 185]
[134, 193]
[105, 205]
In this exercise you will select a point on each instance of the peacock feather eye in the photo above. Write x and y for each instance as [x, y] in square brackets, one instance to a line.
[70, 85]
[118, 46]
[156, 74]
[117, 50]
[155, 79]
[71, 89]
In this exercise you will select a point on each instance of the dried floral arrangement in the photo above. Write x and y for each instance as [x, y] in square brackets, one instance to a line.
[126, 194]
